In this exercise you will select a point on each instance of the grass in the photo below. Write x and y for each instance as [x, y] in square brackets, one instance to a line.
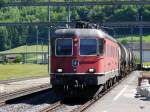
[28, 48]
[135, 38]
[146, 63]
[13, 71]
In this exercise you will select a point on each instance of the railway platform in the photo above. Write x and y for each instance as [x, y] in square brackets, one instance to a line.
[16, 85]
[123, 98]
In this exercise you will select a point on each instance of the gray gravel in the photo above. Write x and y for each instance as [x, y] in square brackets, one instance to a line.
[39, 102]
[66, 108]
[70, 105]
[33, 104]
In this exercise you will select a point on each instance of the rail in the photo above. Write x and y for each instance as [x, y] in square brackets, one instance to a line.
[52, 107]
[20, 93]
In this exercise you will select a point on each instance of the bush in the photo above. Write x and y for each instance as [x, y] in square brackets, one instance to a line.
[18, 59]
[124, 42]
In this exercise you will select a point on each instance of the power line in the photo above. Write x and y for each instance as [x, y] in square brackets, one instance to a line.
[86, 3]
[107, 24]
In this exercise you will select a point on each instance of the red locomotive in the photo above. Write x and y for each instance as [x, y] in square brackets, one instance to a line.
[84, 59]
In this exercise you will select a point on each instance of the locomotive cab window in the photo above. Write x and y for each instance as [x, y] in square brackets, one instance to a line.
[101, 46]
[63, 47]
[88, 47]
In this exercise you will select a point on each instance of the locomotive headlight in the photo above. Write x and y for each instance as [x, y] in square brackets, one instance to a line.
[91, 70]
[59, 70]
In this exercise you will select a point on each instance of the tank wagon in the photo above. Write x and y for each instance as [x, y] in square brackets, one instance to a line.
[84, 59]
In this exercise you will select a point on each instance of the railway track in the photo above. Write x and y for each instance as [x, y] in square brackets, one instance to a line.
[52, 107]
[33, 102]
[4, 98]
[20, 79]
[56, 106]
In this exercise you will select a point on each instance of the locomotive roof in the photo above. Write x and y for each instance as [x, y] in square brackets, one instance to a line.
[84, 33]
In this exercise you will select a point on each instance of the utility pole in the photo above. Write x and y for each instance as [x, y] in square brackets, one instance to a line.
[131, 47]
[37, 43]
[141, 34]
[140, 19]
[141, 43]
[26, 53]
[49, 40]
[42, 53]
[69, 14]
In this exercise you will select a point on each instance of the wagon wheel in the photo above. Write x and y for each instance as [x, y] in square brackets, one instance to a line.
[105, 86]
[114, 80]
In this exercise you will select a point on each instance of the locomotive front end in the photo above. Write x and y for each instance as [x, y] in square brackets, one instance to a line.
[76, 59]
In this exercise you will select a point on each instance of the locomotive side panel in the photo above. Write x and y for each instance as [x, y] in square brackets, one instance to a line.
[110, 61]
[111, 56]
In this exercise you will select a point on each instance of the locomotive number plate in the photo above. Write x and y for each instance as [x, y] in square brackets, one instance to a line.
[75, 63]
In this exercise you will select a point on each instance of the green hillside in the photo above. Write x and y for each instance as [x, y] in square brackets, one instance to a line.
[146, 38]
[28, 48]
